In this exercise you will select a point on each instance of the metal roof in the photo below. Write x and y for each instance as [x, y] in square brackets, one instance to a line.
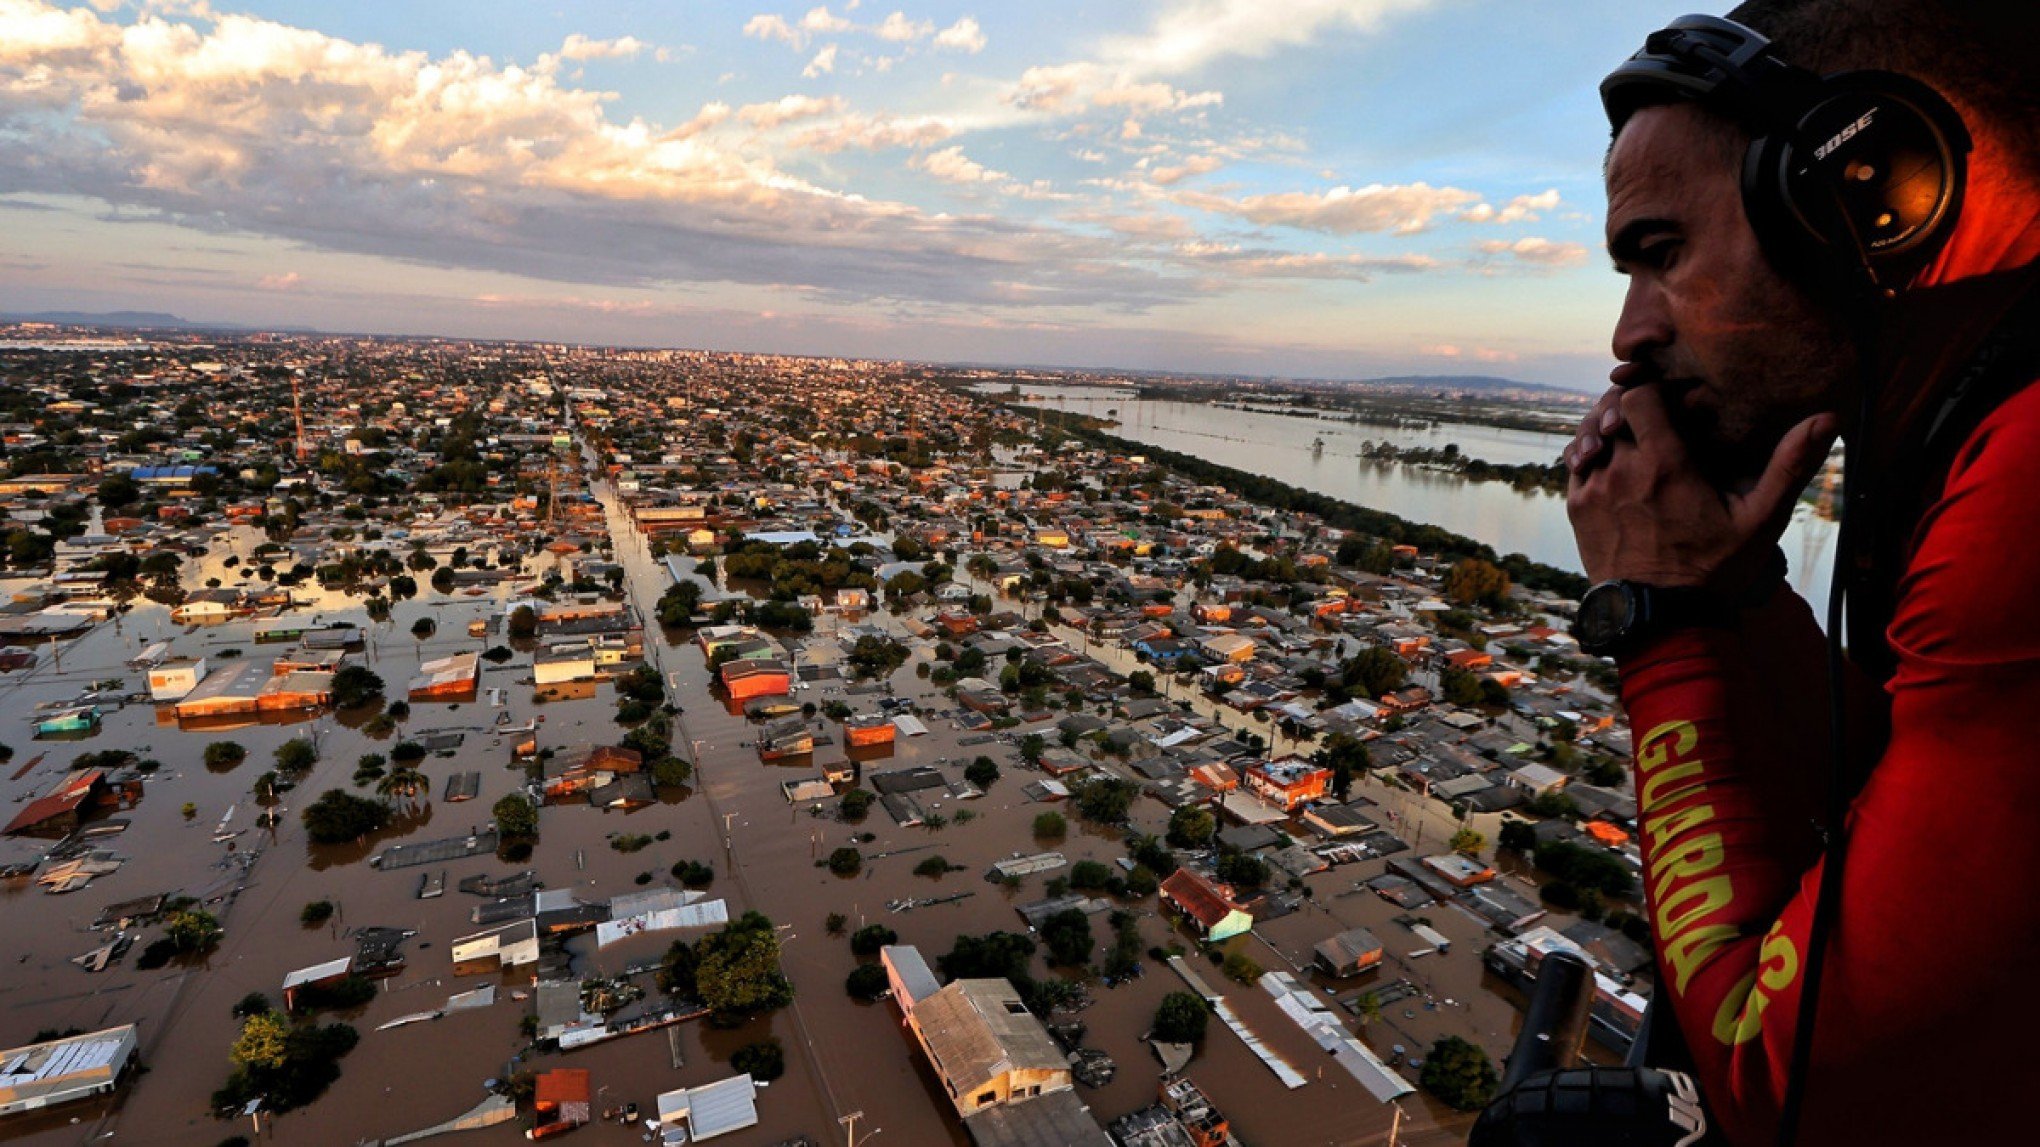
[318, 972]
[978, 1030]
[917, 982]
[713, 1108]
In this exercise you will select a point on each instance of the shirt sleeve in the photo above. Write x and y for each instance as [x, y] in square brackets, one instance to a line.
[1922, 996]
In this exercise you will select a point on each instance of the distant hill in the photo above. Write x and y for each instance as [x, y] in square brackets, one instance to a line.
[1435, 382]
[143, 320]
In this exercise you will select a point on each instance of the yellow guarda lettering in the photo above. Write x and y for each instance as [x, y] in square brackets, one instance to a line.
[1686, 906]
[1660, 786]
[1664, 825]
[1741, 1015]
[1687, 952]
[1728, 1017]
[1695, 857]
[1652, 753]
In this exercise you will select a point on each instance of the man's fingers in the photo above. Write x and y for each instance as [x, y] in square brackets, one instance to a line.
[1797, 458]
[1602, 422]
[1643, 410]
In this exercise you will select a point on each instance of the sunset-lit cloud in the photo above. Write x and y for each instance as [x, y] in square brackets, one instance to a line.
[847, 167]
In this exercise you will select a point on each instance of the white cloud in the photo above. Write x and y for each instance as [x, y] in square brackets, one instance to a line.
[1151, 228]
[768, 27]
[1195, 165]
[874, 133]
[1152, 97]
[821, 20]
[1191, 34]
[1479, 353]
[786, 109]
[579, 47]
[1542, 252]
[1267, 264]
[1053, 88]
[823, 63]
[1057, 89]
[288, 281]
[1187, 37]
[1521, 209]
[897, 29]
[1400, 208]
[951, 166]
[964, 36]
[711, 115]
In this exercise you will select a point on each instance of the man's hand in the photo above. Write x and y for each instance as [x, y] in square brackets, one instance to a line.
[1591, 442]
[1641, 509]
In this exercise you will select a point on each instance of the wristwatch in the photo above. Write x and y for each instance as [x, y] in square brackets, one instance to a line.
[1618, 616]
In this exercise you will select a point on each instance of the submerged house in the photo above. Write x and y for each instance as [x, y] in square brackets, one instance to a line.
[564, 1100]
[446, 678]
[572, 772]
[747, 679]
[1216, 915]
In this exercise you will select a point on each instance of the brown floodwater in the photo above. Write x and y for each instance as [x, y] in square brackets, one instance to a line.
[842, 1055]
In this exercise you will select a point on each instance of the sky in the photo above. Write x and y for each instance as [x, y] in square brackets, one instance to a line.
[1301, 188]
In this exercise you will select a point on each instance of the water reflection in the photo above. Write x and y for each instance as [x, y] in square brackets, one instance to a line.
[1530, 522]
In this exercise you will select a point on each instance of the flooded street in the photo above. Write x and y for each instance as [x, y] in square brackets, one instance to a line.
[843, 1055]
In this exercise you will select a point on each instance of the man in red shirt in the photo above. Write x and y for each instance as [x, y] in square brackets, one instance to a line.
[1742, 357]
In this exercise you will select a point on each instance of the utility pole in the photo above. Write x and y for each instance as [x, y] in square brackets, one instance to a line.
[850, 1121]
[552, 492]
[297, 411]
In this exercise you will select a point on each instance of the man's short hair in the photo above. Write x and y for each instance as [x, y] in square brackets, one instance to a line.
[1983, 55]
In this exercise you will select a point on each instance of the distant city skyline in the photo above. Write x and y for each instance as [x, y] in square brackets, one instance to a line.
[1319, 188]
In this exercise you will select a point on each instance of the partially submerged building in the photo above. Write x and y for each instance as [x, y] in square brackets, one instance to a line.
[698, 1113]
[997, 1061]
[1216, 915]
[46, 1074]
[446, 678]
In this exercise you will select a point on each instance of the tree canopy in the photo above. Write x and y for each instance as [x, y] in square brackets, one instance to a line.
[338, 817]
[1181, 1018]
[737, 973]
[1459, 1073]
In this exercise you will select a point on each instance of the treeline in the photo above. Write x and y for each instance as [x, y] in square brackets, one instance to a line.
[1527, 476]
[1343, 515]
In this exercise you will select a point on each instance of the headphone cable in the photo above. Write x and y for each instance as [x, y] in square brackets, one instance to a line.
[1834, 832]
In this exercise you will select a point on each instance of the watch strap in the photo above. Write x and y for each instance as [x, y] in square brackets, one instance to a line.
[1665, 608]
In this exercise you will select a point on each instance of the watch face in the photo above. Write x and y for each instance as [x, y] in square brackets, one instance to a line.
[1605, 616]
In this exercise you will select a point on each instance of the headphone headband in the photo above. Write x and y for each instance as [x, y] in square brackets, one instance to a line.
[1708, 60]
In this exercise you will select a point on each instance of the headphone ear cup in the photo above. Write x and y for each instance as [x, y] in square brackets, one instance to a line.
[1867, 180]
[1767, 199]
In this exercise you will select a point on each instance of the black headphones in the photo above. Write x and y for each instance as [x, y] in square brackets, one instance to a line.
[1858, 174]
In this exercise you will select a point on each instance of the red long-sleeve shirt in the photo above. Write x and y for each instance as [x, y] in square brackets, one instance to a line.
[1929, 1010]
[1928, 1007]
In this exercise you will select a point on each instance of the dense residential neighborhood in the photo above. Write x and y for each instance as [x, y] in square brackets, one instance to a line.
[852, 727]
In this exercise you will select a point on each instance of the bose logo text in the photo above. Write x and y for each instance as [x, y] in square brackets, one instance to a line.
[1845, 135]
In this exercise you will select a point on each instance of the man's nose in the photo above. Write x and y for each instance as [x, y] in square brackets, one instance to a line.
[1645, 325]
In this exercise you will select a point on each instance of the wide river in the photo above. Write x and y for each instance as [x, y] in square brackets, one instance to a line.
[1280, 446]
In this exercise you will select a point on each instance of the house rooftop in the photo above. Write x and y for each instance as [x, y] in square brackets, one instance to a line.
[977, 1030]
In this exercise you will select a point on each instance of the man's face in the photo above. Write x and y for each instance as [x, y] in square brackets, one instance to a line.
[1742, 353]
